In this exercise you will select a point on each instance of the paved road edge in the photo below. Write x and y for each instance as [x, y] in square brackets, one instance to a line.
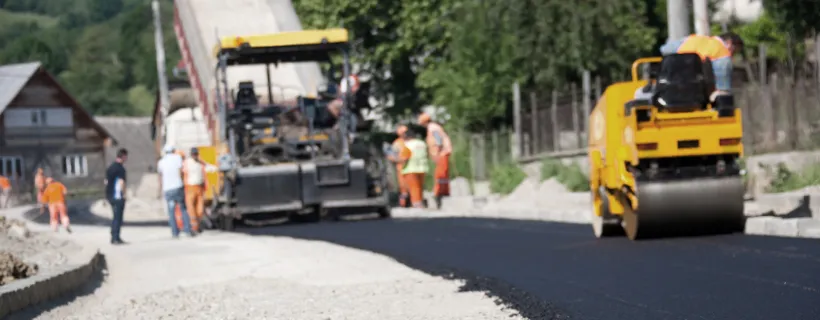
[45, 286]
[771, 225]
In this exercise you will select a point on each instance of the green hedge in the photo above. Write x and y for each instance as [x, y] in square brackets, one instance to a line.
[571, 176]
[504, 178]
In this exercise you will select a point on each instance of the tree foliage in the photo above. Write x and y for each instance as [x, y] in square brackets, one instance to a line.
[101, 50]
[463, 55]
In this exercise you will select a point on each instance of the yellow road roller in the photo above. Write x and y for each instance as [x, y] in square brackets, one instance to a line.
[664, 153]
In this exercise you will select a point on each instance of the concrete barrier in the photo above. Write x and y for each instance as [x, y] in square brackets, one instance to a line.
[50, 284]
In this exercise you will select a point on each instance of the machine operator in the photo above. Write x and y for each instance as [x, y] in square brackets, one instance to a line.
[719, 50]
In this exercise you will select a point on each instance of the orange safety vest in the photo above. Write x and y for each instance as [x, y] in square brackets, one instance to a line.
[705, 46]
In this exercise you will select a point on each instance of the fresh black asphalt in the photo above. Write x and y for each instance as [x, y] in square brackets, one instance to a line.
[560, 271]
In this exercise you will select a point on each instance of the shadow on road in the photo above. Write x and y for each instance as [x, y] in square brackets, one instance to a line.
[94, 282]
[80, 214]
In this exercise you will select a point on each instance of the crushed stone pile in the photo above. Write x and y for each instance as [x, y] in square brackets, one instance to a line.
[12, 268]
[23, 253]
[534, 195]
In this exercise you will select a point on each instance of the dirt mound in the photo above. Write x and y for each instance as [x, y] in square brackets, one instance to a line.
[12, 268]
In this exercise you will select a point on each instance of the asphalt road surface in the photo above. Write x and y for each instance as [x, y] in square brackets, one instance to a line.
[560, 271]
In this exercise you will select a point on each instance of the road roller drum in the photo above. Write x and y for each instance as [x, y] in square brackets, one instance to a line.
[664, 156]
[686, 207]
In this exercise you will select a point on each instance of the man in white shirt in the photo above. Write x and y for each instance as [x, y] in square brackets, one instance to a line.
[171, 184]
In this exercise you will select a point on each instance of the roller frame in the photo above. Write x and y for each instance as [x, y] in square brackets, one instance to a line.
[704, 198]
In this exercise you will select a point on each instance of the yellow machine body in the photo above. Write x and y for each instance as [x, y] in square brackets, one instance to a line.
[624, 139]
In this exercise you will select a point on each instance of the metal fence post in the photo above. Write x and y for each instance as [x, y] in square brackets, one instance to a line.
[516, 145]
[587, 101]
[556, 131]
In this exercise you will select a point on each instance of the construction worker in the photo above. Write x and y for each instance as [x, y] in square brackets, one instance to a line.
[5, 191]
[39, 186]
[440, 149]
[193, 170]
[393, 156]
[718, 49]
[54, 195]
[172, 186]
[415, 162]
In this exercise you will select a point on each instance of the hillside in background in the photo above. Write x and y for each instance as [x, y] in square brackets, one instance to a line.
[101, 50]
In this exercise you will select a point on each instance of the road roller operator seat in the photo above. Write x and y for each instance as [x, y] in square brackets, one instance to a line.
[684, 83]
[246, 96]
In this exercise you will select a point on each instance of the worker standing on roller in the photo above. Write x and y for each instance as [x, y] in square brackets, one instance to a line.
[414, 158]
[193, 171]
[54, 195]
[440, 149]
[393, 155]
[718, 49]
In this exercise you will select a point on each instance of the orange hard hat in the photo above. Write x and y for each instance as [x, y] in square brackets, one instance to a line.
[401, 130]
[424, 118]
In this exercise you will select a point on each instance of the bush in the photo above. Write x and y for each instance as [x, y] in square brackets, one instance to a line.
[571, 176]
[504, 178]
[550, 168]
[787, 180]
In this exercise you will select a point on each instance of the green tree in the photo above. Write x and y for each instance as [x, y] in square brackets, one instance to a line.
[96, 75]
[474, 80]
[799, 18]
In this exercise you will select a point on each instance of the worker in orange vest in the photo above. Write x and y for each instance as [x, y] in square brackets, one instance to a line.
[54, 195]
[194, 179]
[393, 155]
[39, 186]
[5, 191]
[415, 160]
[719, 50]
[440, 149]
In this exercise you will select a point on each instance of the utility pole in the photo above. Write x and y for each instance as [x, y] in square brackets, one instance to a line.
[701, 17]
[677, 15]
[161, 75]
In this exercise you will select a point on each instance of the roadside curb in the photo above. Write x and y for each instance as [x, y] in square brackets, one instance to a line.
[801, 225]
[42, 287]
[783, 227]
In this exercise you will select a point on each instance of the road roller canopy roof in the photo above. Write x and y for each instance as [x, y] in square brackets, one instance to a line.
[296, 46]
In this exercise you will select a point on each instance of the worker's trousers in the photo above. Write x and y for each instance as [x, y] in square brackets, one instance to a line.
[173, 198]
[58, 213]
[118, 208]
[4, 198]
[415, 186]
[195, 201]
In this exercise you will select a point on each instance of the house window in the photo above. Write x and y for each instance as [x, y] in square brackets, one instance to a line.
[75, 166]
[55, 117]
[12, 167]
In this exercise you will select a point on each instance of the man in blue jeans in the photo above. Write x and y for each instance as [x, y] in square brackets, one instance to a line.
[170, 171]
[718, 49]
[115, 193]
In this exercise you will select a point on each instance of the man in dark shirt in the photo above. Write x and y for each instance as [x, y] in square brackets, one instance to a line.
[115, 193]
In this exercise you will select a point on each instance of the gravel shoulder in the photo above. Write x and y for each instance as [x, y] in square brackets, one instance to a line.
[243, 276]
[24, 253]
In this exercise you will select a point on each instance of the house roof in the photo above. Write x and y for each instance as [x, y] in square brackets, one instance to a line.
[14, 77]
